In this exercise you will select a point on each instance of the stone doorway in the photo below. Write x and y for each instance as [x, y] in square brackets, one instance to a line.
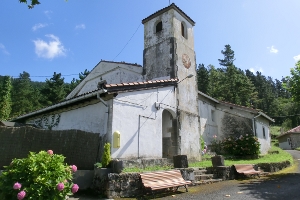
[169, 135]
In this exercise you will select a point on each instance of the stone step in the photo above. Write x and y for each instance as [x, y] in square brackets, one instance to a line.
[198, 168]
[199, 172]
[201, 182]
[203, 177]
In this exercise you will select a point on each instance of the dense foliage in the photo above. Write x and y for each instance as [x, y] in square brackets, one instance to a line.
[20, 95]
[106, 158]
[236, 146]
[5, 98]
[232, 84]
[42, 175]
[243, 145]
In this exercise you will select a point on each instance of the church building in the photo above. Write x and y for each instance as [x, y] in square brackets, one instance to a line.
[154, 110]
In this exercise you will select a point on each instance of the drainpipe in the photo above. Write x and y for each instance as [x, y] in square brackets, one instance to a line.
[98, 97]
[254, 124]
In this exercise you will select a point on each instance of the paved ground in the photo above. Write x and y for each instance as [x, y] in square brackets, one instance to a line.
[285, 185]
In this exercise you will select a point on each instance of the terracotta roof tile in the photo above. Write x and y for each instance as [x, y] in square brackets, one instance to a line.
[294, 130]
[139, 85]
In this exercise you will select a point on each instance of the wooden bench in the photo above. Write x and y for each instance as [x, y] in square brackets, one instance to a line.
[246, 169]
[163, 180]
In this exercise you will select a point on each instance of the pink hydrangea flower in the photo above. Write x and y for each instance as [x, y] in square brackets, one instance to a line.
[74, 168]
[75, 188]
[21, 195]
[17, 186]
[50, 152]
[60, 186]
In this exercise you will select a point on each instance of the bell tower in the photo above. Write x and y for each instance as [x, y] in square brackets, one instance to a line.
[169, 53]
[168, 44]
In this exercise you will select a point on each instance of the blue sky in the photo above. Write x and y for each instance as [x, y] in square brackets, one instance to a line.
[70, 36]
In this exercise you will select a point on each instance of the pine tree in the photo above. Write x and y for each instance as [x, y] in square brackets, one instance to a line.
[25, 98]
[54, 90]
[5, 98]
[228, 56]
[202, 78]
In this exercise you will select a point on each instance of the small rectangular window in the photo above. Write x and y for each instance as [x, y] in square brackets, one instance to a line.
[264, 132]
[212, 115]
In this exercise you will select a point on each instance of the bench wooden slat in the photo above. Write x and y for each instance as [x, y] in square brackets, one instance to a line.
[246, 169]
[164, 179]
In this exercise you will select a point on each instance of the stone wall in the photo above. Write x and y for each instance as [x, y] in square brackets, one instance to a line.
[80, 148]
[114, 185]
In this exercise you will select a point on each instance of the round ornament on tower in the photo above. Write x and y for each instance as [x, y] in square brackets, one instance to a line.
[186, 61]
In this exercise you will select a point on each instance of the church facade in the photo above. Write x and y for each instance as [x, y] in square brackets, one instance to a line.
[149, 111]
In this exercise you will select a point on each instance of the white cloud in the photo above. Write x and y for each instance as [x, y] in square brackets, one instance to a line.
[38, 26]
[48, 13]
[252, 70]
[273, 49]
[297, 58]
[80, 26]
[51, 49]
[3, 49]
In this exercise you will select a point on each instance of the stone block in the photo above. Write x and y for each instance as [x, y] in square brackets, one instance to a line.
[217, 161]
[180, 161]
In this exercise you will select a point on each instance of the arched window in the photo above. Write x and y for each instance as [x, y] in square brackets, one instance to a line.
[182, 30]
[158, 27]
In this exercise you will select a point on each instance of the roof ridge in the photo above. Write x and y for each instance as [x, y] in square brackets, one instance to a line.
[173, 5]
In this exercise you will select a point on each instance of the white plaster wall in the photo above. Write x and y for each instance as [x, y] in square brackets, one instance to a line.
[189, 40]
[140, 123]
[112, 73]
[91, 118]
[265, 143]
[208, 128]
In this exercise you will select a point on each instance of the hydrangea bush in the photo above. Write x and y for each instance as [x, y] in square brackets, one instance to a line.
[42, 175]
[239, 146]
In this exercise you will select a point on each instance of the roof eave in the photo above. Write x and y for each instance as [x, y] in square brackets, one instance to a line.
[172, 6]
[64, 103]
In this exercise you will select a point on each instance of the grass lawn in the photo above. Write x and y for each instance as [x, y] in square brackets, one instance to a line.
[269, 158]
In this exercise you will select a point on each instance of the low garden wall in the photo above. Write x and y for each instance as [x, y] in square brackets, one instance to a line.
[125, 184]
[80, 148]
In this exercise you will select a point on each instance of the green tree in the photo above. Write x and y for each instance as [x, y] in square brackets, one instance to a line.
[292, 83]
[215, 82]
[5, 98]
[202, 78]
[228, 56]
[71, 86]
[83, 75]
[54, 90]
[31, 3]
[25, 98]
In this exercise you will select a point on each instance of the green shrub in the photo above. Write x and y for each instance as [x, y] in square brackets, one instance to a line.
[106, 155]
[243, 145]
[42, 175]
[202, 143]
[216, 145]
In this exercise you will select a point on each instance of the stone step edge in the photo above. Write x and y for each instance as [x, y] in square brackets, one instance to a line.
[209, 181]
